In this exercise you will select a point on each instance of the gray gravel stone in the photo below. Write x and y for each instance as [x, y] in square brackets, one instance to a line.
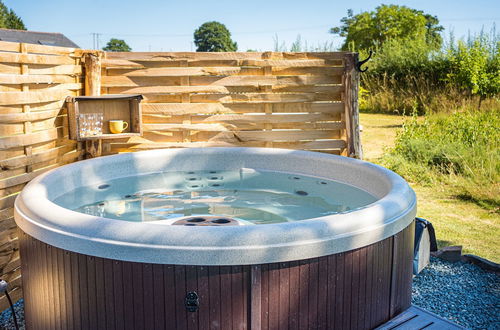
[460, 292]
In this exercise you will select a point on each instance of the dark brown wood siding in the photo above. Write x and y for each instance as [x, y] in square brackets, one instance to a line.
[357, 289]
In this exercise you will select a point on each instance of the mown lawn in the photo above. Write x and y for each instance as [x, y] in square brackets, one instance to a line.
[457, 222]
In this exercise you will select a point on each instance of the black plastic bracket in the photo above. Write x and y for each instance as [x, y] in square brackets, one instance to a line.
[192, 301]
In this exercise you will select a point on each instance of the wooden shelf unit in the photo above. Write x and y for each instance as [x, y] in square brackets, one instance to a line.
[113, 107]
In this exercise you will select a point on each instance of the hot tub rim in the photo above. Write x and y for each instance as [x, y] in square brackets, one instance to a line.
[293, 246]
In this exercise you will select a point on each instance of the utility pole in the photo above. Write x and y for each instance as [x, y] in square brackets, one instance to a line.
[95, 40]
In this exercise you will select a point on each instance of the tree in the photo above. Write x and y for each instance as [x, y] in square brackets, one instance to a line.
[371, 29]
[117, 45]
[214, 37]
[9, 19]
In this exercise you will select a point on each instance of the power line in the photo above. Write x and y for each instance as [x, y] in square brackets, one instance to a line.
[96, 35]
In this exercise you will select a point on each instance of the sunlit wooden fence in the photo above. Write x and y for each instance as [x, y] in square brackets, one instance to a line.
[272, 99]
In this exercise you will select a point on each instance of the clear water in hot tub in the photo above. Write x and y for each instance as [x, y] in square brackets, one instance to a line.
[257, 196]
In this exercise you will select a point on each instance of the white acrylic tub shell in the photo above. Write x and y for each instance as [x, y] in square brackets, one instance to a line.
[39, 217]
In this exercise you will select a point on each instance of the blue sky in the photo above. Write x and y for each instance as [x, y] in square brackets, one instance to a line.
[155, 25]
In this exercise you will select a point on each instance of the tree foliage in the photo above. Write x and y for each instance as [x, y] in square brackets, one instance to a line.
[214, 37]
[476, 67]
[371, 29]
[9, 19]
[117, 45]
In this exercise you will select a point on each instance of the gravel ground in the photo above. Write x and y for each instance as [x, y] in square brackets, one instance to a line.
[460, 292]
[6, 321]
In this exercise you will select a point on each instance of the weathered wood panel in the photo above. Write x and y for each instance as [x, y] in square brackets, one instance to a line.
[301, 97]
[34, 80]
[357, 289]
[270, 99]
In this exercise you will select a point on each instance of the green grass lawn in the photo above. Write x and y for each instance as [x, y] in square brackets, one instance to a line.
[457, 222]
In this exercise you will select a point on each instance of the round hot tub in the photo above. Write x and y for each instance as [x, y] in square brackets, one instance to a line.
[228, 238]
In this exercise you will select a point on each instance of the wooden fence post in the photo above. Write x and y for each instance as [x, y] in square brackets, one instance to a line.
[93, 148]
[92, 73]
[351, 85]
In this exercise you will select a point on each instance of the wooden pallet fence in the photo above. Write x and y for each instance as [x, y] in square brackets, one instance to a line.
[269, 99]
[34, 81]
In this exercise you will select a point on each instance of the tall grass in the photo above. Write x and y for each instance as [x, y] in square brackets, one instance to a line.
[460, 151]
[409, 75]
[303, 46]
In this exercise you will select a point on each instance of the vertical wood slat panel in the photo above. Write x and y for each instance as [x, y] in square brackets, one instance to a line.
[180, 293]
[284, 295]
[346, 324]
[62, 289]
[170, 303]
[313, 294]
[339, 290]
[256, 300]
[138, 289]
[274, 296]
[192, 285]
[148, 294]
[92, 287]
[322, 292]
[265, 297]
[96, 270]
[303, 294]
[355, 285]
[332, 298]
[108, 293]
[215, 300]
[128, 295]
[118, 291]
[158, 297]
[237, 288]
[294, 295]
[331, 292]
[225, 297]
[361, 301]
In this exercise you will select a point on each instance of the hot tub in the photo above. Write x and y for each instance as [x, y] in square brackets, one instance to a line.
[103, 249]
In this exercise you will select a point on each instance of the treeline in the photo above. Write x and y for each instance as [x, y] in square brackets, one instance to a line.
[413, 69]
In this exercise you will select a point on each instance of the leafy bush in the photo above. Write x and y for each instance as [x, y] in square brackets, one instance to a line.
[476, 67]
[409, 75]
[461, 149]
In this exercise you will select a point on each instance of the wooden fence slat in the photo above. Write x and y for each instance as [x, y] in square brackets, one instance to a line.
[29, 139]
[48, 95]
[57, 70]
[27, 116]
[35, 79]
[40, 49]
[34, 59]
[251, 107]
[36, 157]
[220, 80]
[144, 56]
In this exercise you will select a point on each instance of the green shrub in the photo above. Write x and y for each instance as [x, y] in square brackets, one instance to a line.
[409, 75]
[461, 150]
[476, 67]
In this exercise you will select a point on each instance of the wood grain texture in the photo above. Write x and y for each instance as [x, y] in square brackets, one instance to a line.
[255, 99]
[34, 80]
[357, 289]
[299, 94]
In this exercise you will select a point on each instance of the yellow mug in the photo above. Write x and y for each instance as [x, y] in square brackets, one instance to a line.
[117, 126]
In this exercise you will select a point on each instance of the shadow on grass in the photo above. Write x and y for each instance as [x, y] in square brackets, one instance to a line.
[489, 204]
